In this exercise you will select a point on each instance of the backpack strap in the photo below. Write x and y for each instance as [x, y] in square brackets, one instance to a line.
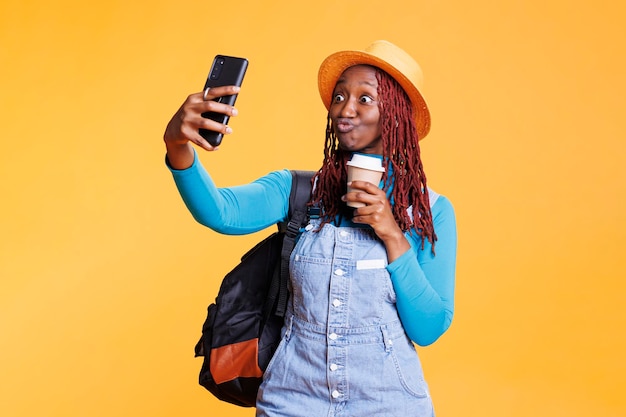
[297, 216]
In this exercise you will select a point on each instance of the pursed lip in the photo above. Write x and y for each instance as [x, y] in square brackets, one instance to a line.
[344, 125]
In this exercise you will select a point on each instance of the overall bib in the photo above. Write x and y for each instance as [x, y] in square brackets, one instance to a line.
[344, 351]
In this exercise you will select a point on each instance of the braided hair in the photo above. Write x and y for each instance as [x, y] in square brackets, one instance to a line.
[401, 156]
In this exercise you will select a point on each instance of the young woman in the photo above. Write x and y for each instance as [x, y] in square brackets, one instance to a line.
[366, 282]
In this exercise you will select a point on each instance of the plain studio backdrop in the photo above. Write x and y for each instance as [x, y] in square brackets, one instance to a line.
[105, 277]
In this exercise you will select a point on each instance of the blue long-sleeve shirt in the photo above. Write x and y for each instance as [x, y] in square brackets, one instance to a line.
[423, 282]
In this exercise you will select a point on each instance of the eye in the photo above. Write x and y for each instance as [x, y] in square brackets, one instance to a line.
[366, 99]
[338, 98]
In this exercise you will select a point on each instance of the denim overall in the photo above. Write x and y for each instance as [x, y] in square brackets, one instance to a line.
[344, 351]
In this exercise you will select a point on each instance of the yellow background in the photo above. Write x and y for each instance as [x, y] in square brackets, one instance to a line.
[105, 277]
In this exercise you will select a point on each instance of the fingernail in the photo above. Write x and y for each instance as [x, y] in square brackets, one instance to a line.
[228, 130]
[234, 112]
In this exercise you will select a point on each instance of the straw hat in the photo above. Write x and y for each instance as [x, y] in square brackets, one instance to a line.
[391, 59]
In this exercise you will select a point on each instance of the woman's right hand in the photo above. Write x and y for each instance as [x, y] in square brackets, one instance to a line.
[184, 125]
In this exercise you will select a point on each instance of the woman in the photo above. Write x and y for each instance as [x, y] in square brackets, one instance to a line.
[365, 282]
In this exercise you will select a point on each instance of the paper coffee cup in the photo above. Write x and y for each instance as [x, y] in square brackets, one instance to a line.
[364, 168]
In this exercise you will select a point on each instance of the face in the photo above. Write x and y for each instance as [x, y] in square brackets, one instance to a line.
[354, 111]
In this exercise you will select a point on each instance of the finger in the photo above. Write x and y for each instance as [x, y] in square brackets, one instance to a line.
[365, 186]
[364, 192]
[197, 139]
[372, 208]
[210, 124]
[217, 107]
[212, 93]
[375, 215]
[206, 145]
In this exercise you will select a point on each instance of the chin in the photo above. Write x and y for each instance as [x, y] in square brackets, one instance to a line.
[347, 145]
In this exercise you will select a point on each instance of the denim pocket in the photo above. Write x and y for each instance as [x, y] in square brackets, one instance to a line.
[409, 368]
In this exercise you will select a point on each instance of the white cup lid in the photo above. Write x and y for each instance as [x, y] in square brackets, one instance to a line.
[373, 163]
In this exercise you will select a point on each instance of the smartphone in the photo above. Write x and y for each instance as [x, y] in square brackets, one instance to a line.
[226, 70]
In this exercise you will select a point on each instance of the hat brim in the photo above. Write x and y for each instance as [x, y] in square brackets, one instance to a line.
[334, 65]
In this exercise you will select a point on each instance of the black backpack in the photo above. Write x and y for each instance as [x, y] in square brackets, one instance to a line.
[242, 328]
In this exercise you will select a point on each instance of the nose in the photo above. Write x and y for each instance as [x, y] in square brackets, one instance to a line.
[348, 108]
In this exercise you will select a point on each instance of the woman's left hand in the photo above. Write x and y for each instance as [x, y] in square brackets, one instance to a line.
[378, 214]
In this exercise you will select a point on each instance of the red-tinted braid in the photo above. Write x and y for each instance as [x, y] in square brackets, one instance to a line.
[332, 177]
[401, 154]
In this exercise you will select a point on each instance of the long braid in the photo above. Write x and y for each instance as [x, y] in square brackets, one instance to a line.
[331, 179]
[401, 153]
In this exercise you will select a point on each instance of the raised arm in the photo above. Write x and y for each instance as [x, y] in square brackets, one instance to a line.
[234, 210]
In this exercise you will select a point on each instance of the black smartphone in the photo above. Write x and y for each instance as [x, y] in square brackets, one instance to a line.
[226, 70]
